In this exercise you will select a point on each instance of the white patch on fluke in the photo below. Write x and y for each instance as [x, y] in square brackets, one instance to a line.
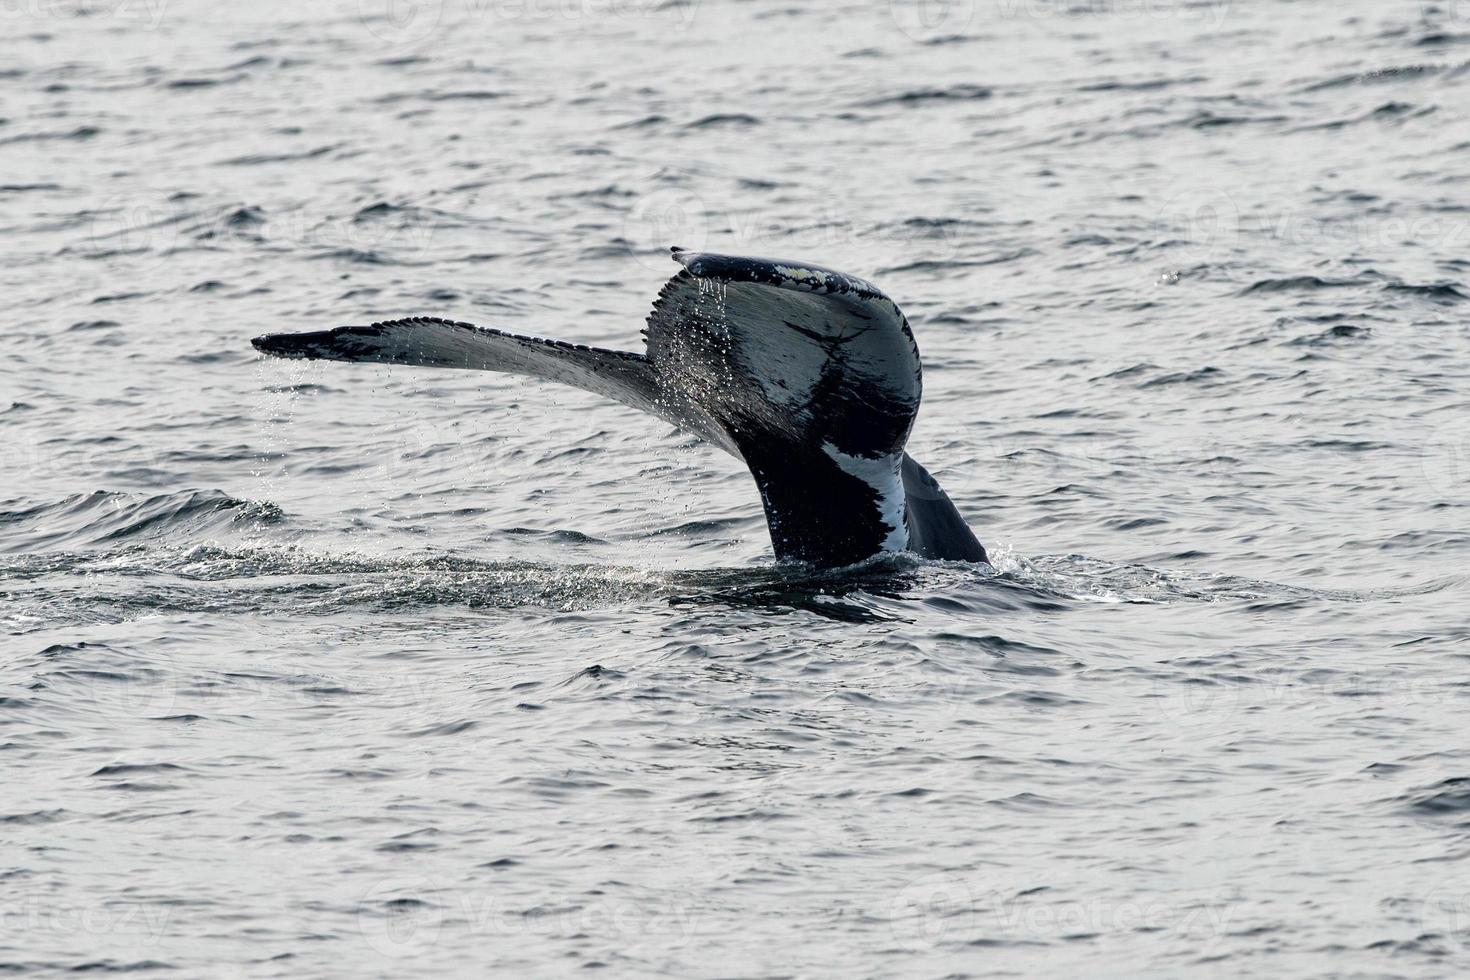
[882, 474]
[810, 276]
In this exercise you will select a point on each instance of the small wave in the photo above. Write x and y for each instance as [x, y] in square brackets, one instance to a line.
[188, 84]
[1205, 375]
[954, 265]
[100, 517]
[1439, 292]
[245, 217]
[1442, 39]
[257, 159]
[1131, 371]
[1389, 112]
[413, 216]
[1336, 335]
[555, 535]
[1333, 336]
[379, 210]
[259, 61]
[1146, 85]
[1347, 445]
[357, 256]
[137, 769]
[603, 191]
[1213, 120]
[722, 119]
[33, 818]
[644, 122]
[727, 525]
[927, 96]
[107, 965]
[79, 134]
[948, 40]
[1377, 77]
[1296, 284]
[468, 95]
[1448, 796]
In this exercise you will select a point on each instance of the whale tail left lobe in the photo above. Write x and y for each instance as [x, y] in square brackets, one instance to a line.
[431, 342]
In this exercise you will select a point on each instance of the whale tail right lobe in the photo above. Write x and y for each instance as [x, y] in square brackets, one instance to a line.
[936, 529]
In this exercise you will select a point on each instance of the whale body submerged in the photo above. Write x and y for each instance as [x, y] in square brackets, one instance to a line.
[809, 376]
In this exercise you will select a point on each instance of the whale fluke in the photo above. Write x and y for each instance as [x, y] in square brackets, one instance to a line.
[809, 376]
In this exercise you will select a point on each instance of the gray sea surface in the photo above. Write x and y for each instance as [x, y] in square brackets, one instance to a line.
[327, 670]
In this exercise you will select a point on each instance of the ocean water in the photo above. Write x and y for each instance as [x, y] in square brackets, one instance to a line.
[318, 670]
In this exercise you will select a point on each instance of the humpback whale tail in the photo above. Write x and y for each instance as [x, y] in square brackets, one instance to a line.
[809, 376]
